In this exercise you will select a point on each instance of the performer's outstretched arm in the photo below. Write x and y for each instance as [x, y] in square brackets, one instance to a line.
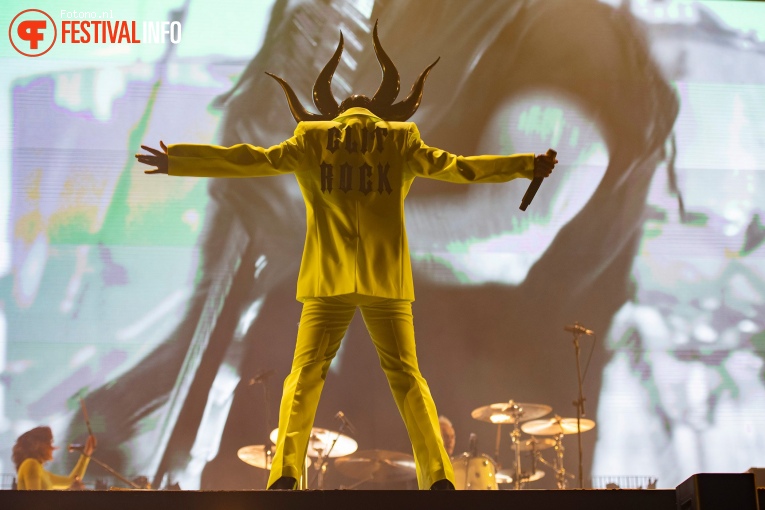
[242, 160]
[433, 163]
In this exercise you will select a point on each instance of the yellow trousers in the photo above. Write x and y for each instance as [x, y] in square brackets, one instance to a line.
[323, 324]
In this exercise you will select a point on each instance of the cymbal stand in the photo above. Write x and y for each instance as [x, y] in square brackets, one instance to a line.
[560, 470]
[496, 444]
[517, 412]
[561, 476]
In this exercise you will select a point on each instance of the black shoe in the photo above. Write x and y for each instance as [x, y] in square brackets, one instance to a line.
[285, 483]
[442, 485]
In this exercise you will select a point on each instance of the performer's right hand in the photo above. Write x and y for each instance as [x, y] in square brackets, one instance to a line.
[157, 159]
[543, 165]
[90, 446]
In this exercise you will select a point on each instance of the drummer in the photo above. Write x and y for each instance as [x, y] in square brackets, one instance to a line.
[448, 434]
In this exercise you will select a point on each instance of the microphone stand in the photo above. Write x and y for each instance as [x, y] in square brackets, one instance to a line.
[263, 380]
[116, 474]
[133, 485]
[579, 404]
[267, 399]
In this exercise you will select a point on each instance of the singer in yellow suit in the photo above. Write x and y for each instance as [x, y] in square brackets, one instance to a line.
[355, 164]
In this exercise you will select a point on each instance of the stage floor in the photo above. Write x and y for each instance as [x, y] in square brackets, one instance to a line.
[592, 499]
[337, 499]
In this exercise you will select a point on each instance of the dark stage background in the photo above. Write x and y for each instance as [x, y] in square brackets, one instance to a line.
[158, 300]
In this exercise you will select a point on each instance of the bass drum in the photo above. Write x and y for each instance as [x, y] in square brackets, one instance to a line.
[474, 473]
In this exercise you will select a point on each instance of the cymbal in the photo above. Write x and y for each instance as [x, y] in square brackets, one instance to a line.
[257, 455]
[534, 444]
[320, 441]
[509, 412]
[378, 466]
[555, 426]
[260, 456]
[506, 476]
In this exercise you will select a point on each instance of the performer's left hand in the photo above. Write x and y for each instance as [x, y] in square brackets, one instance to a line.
[543, 165]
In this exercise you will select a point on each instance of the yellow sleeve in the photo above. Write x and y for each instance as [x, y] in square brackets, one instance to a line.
[438, 164]
[30, 475]
[64, 482]
[243, 160]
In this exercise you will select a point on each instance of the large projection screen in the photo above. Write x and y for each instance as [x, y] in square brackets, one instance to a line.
[168, 304]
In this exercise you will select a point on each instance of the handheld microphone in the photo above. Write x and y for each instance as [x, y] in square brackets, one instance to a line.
[535, 184]
[345, 421]
[578, 328]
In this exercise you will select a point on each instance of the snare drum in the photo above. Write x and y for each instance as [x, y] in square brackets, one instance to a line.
[474, 473]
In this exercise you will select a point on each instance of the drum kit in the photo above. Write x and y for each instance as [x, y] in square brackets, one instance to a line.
[480, 472]
[475, 471]
[472, 470]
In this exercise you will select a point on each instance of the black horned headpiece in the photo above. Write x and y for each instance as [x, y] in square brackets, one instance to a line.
[381, 104]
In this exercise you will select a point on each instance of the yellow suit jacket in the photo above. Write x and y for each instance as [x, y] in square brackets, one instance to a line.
[354, 172]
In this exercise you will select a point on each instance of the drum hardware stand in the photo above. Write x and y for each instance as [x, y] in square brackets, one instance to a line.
[561, 476]
[353, 486]
[524, 478]
[535, 455]
[322, 460]
[546, 463]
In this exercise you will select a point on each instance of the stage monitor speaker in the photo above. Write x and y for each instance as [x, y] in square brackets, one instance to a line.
[717, 491]
[759, 477]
